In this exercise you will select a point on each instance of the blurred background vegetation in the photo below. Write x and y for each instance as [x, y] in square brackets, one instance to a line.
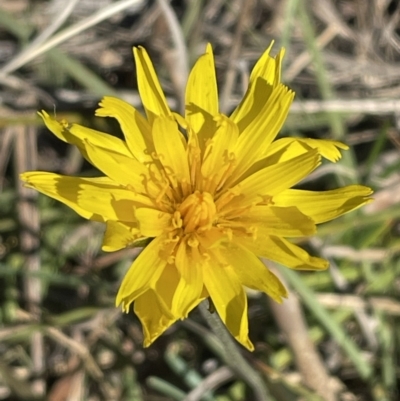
[61, 338]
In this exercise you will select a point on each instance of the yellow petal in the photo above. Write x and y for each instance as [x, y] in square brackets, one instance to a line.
[219, 148]
[229, 299]
[189, 289]
[170, 149]
[152, 95]
[121, 169]
[212, 237]
[136, 129]
[187, 297]
[264, 77]
[152, 222]
[142, 274]
[268, 68]
[253, 273]
[165, 290]
[152, 316]
[325, 205]
[262, 128]
[273, 180]
[119, 235]
[76, 135]
[98, 199]
[287, 148]
[282, 251]
[202, 97]
[282, 221]
[183, 260]
[159, 307]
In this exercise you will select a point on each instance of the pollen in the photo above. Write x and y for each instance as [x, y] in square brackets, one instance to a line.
[198, 211]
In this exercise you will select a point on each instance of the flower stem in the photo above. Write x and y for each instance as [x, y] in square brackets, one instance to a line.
[233, 357]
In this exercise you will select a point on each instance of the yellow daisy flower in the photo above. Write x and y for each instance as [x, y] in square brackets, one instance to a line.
[211, 193]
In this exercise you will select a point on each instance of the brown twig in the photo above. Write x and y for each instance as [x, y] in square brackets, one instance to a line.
[25, 158]
[290, 319]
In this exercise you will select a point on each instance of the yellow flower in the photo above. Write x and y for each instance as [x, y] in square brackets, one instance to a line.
[212, 193]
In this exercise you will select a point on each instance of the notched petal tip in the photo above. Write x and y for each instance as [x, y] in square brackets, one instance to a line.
[26, 179]
[25, 176]
[279, 299]
[102, 110]
[123, 301]
[43, 114]
[329, 149]
[137, 50]
[367, 200]
[365, 194]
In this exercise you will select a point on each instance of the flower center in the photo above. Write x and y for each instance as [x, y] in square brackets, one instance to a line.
[198, 210]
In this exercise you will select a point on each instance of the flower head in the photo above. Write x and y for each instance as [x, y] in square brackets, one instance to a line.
[212, 193]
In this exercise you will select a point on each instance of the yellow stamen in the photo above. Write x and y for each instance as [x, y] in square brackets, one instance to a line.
[198, 210]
